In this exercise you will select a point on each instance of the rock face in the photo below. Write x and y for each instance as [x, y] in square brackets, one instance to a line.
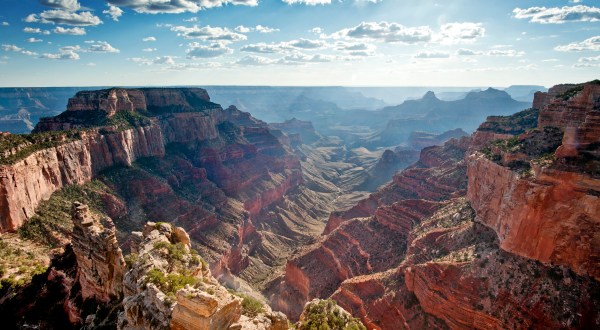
[100, 263]
[34, 177]
[420, 140]
[551, 212]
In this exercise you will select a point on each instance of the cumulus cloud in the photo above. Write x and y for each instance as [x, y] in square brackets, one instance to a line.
[58, 16]
[255, 60]
[35, 30]
[434, 54]
[259, 28]
[589, 59]
[284, 47]
[197, 50]
[15, 48]
[193, 19]
[467, 52]
[69, 5]
[113, 12]
[300, 58]
[308, 2]
[34, 40]
[176, 6]
[507, 52]
[76, 31]
[208, 33]
[385, 32]
[101, 47]
[149, 49]
[4, 24]
[64, 53]
[466, 32]
[265, 29]
[592, 43]
[558, 15]
[588, 62]
[11, 48]
[29, 53]
[149, 39]
[359, 49]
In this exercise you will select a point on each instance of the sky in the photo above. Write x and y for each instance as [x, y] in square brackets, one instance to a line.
[298, 42]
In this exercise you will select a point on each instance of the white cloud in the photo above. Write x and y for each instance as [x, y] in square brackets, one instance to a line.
[262, 47]
[243, 29]
[35, 30]
[468, 52]
[76, 31]
[259, 28]
[589, 59]
[34, 40]
[385, 32]
[592, 43]
[356, 49]
[508, 52]
[196, 50]
[176, 6]
[433, 54]
[149, 39]
[208, 33]
[255, 60]
[149, 49]
[193, 19]
[169, 60]
[91, 64]
[11, 48]
[69, 5]
[454, 33]
[316, 30]
[64, 53]
[558, 15]
[308, 2]
[164, 60]
[4, 24]
[59, 16]
[114, 12]
[305, 44]
[101, 47]
[29, 53]
[284, 47]
[265, 29]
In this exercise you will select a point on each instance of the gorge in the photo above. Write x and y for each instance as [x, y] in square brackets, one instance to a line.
[163, 209]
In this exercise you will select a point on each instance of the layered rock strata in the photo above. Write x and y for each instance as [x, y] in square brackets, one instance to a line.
[100, 263]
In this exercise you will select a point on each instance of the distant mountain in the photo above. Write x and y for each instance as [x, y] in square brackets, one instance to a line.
[434, 115]
[524, 92]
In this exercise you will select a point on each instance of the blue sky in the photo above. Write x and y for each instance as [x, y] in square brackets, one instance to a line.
[298, 42]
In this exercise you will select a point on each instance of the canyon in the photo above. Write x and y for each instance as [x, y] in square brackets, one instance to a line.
[499, 229]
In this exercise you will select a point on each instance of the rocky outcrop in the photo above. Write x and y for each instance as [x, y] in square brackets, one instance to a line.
[100, 263]
[169, 286]
[537, 193]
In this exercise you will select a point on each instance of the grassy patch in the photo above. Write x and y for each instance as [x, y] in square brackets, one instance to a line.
[170, 283]
[52, 222]
[14, 147]
[20, 260]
